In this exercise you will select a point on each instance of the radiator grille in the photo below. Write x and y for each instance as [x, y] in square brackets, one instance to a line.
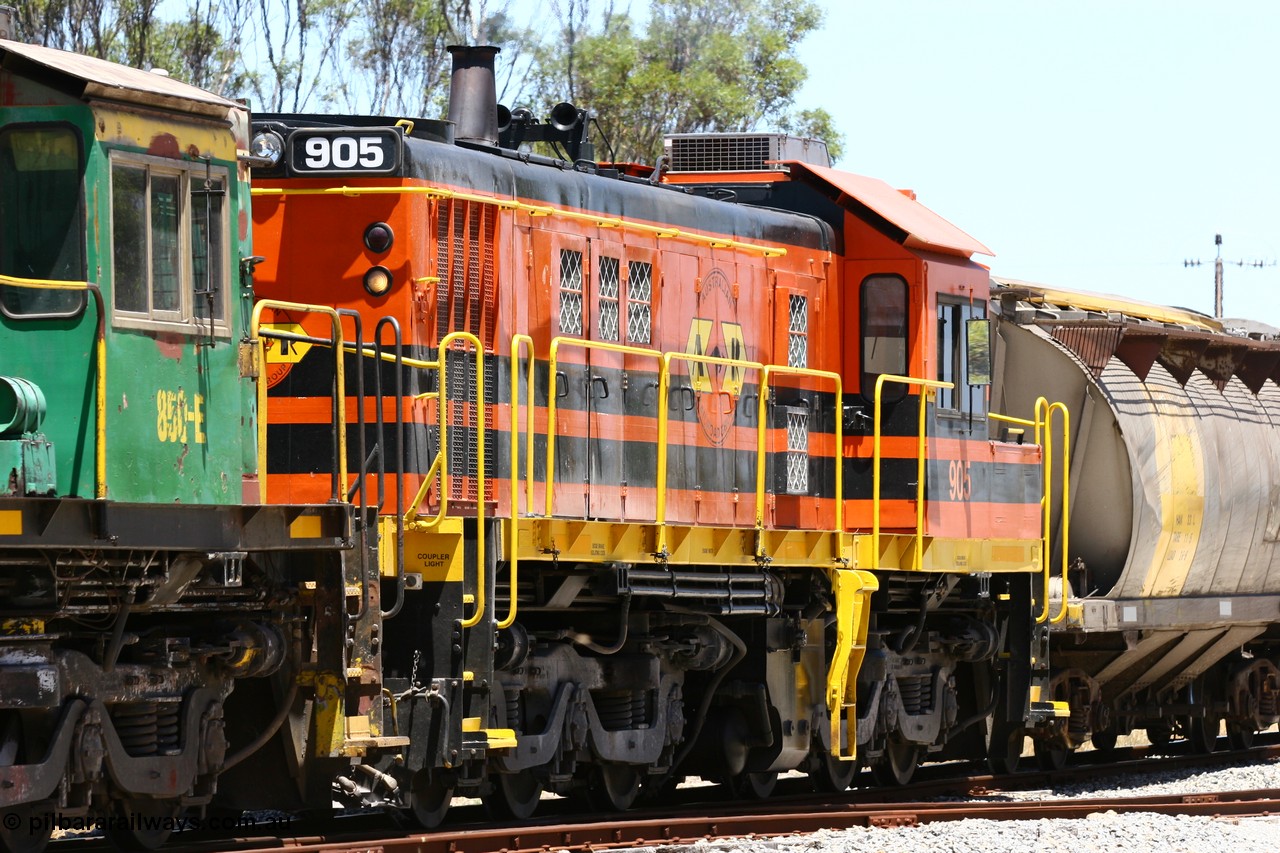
[466, 300]
[740, 152]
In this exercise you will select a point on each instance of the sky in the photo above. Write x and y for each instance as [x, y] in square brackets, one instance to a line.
[1090, 144]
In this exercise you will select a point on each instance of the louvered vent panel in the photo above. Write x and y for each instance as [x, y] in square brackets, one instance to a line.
[467, 301]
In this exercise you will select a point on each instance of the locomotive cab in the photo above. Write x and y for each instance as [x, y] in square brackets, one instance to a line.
[944, 483]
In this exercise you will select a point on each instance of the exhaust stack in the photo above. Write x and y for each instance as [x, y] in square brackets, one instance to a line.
[473, 94]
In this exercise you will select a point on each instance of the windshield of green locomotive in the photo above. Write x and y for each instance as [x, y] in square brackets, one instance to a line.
[42, 211]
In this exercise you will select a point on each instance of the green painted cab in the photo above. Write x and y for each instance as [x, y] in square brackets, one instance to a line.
[130, 182]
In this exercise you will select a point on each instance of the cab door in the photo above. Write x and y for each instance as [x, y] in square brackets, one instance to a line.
[564, 262]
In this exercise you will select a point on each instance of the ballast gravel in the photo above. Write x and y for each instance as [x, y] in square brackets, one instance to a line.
[1244, 777]
[1104, 832]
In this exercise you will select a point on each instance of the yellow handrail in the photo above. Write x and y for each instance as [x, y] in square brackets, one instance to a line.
[664, 417]
[659, 231]
[552, 364]
[517, 342]
[664, 396]
[366, 352]
[768, 373]
[440, 465]
[1066, 506]
[1043, 414]
[920, 467]
[100, 349]
[339, 386]
[1010, 419]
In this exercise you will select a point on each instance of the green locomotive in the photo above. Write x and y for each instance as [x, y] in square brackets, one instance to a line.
[142, 581]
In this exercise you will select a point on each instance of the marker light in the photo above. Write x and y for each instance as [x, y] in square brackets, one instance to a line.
[378, 237]
[377, 281]
[268, 146]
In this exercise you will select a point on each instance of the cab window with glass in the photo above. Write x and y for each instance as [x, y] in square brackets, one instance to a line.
[884, 334]
[169, 243]
[43, 214]
[954, 324]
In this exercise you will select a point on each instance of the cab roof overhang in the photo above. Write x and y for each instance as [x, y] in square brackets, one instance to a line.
[920, 227]
[89, 78]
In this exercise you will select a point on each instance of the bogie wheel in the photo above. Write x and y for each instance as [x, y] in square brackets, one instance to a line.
[1051, 756]
[22, 838]
[829, 774]
[1240, 735]
[515, 795]
[1159, 734]
[1004, 751]
[751, 786]
[614, 787]
[897, 765]
[142, 824]
[429, 798]
[1202, 733]
[17, 834]
[1104, 740]
[660, 790]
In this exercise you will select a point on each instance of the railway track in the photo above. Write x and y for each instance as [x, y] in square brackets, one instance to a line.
[944, 793]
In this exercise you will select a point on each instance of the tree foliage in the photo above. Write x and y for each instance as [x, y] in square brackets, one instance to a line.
[694, 65]
[192, 47]
[400, 56]
[697, 66]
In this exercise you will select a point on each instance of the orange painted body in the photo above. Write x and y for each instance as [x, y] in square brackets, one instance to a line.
[497, 270]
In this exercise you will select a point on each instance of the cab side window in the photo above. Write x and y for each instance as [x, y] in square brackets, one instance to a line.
[884, 334]
[953, 366]
[43, 214]
[169, 240]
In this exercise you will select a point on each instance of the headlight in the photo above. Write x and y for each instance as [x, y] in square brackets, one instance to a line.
[377, 281]
[268, 147]
[378, 237]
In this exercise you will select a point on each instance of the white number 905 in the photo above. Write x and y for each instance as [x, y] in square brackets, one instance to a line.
[344, 152]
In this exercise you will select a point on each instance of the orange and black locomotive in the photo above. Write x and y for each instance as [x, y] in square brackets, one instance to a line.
[660, 490]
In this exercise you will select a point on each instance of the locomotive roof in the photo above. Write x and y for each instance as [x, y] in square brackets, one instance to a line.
[87, 77]
[430, 155]
[509, 174]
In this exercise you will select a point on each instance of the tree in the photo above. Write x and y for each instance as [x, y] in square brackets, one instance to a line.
[699, 66]
[192, 48]
[400, 56]
[300, 43]
[195, 50]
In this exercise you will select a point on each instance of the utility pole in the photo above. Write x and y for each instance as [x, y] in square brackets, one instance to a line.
[1217, 273]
